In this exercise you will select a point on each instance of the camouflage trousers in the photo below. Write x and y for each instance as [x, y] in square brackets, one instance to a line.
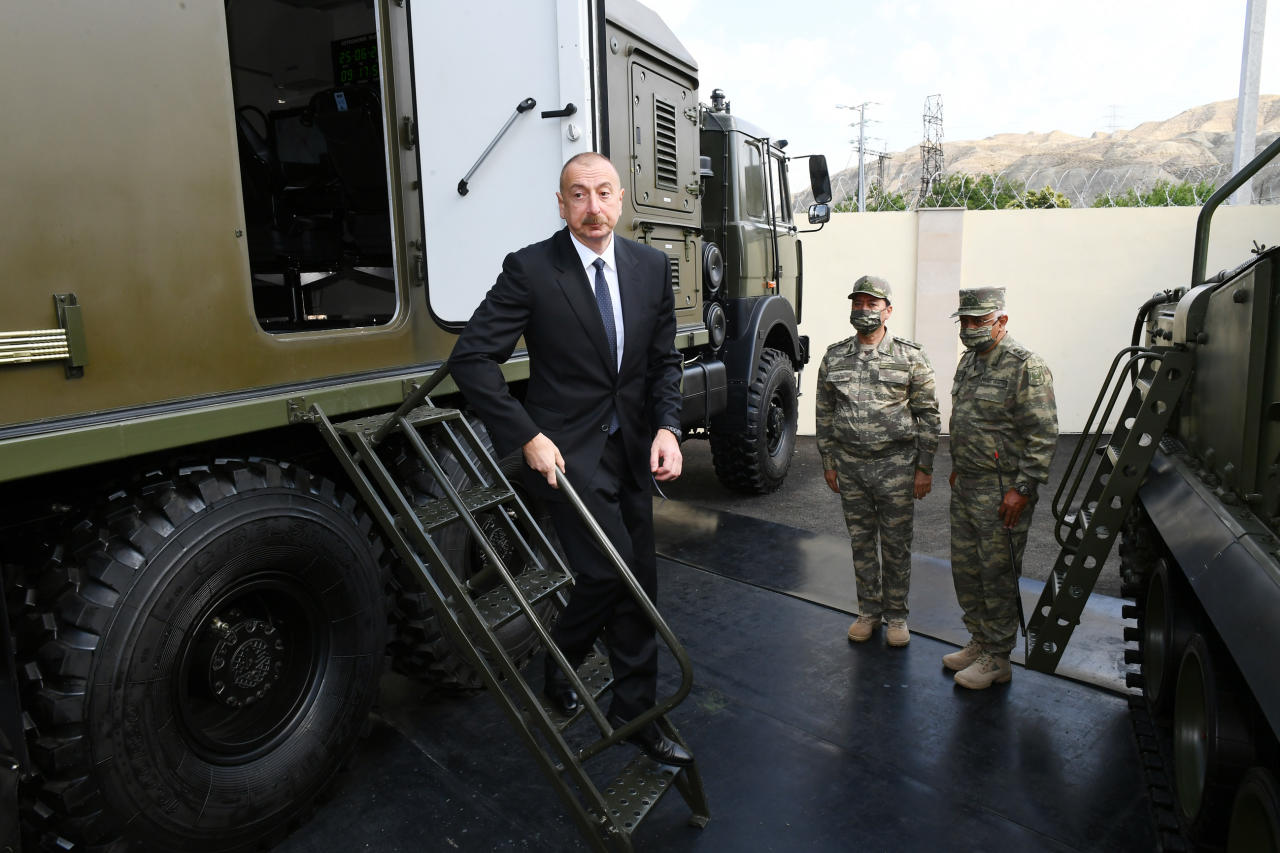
[877, 494]
[985, 579]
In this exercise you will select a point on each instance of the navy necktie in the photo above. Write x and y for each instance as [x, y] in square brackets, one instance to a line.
[605, 304]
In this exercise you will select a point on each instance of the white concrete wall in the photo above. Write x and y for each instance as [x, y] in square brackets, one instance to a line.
[1075, 280]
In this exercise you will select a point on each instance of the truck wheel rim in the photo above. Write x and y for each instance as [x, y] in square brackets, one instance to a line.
[1191, 733]
[250, 667]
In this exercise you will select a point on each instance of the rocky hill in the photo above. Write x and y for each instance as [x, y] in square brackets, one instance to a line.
[1195, 145]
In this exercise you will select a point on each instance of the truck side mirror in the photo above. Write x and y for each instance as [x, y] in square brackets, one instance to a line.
[819, 181]
[819, 213]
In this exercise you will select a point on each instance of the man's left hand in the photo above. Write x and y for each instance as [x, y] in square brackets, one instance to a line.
[665, 461]
[1011, 508]
[924, 484]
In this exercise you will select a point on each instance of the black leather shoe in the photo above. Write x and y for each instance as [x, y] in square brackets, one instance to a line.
[559, 691]
[653, 743]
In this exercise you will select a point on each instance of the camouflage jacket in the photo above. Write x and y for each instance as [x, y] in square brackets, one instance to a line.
[1003, 402]
[869, 404]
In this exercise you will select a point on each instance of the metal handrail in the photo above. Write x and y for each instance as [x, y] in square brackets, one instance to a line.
[1200, 252]
[1091, 434]
[614, 735]
[413, 401]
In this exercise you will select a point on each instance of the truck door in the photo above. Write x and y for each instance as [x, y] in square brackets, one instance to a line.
[787, 262]
[473, 65]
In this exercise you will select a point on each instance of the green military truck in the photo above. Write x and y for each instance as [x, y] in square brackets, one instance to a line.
[221, 215]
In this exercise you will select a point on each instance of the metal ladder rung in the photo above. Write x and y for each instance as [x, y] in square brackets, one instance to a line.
[1113, 455]
[596, 676]
[1143, 384]
[372, 423]
[499, 605]
[440, 512]
[636, 790]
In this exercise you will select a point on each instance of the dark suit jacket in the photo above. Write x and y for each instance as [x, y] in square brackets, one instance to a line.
[543, 293]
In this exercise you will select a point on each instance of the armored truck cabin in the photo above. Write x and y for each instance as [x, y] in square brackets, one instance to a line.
[229, 222]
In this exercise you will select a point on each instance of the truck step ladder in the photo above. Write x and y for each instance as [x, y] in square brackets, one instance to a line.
[607, 813]
[1086, 531]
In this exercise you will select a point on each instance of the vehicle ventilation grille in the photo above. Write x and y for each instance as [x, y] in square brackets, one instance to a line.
[675, 272]
[664, 153]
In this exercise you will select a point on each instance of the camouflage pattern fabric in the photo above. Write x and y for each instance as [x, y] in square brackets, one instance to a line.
[877, 419]
[877, 399]
[877, 495]
[1000, 402]
[1003, 402]
[985, 580]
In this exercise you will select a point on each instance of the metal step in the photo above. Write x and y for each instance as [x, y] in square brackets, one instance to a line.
[440, 512]
[597, 677]
[637, 789]
[372, 423]
[499, 604]
[1143, 384]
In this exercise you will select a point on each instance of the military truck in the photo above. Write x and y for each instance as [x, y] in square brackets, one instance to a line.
[1189, 480]
[223, 216]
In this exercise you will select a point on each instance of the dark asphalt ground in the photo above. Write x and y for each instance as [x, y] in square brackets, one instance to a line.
[804, 501]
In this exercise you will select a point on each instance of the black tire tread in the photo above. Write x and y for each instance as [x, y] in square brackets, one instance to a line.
[739, 457]
[68, 605]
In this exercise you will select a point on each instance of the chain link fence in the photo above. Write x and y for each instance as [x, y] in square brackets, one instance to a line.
[1131, 185]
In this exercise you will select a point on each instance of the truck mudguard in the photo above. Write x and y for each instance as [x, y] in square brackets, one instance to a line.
[1221, 558]
[754, 324]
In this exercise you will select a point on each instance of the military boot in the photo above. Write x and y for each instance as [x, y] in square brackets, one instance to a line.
[896, 633]
[987, 670]
[957, 661]
[861, 631]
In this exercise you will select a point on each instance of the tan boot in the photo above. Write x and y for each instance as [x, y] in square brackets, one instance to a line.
[957, 661]
[861, 631]
[896, 633]
[984, 672]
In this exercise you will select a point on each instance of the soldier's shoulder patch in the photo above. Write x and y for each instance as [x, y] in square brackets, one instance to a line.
[840, 346]
[1020, 352]
[1037, 371]
[908, 343]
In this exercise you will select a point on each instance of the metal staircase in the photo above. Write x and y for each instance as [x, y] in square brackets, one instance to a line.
[606, 812]
[1086, 530]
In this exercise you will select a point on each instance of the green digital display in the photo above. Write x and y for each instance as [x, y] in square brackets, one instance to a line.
[355, 60]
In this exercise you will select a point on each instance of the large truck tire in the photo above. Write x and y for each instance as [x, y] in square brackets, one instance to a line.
[420, 648]
[756, 460]
[201, 656]
[1255, 814]
[1211, 742]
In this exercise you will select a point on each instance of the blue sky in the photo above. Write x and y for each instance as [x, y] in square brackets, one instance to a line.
[1001, 66]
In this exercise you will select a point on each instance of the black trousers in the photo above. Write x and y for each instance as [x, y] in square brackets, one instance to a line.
[600, 600]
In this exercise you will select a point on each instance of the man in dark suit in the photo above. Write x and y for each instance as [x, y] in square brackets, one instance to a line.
[603, 404]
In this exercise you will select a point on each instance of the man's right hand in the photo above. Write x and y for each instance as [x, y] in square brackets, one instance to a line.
[951, 480]
[833, 480]
[542, 455]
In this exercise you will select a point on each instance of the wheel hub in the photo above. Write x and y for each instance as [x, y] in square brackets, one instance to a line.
[246, 661]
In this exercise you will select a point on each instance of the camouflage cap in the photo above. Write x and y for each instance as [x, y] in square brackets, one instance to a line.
[980, 301]
[874, 285]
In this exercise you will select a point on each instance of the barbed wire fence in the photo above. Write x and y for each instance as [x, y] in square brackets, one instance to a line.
[1134, 185]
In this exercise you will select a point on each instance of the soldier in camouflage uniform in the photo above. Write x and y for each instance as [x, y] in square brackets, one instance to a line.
[878, 423]
[1002, 413]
